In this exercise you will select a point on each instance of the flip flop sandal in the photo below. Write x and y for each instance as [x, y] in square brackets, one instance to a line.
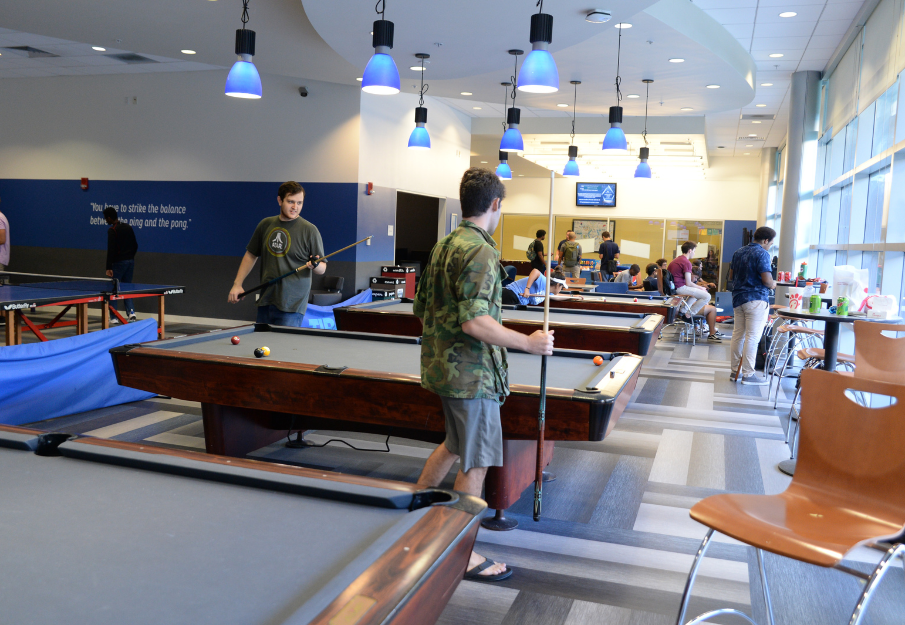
[475, 576]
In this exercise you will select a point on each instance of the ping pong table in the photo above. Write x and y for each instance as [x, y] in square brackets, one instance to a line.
[19, 299]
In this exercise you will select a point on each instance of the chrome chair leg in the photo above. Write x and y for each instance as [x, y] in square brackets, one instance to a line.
[766, 587]
[874, 581]
[692, 575]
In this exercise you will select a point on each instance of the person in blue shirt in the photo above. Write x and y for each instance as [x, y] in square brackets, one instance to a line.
[752, 281]
[531, 290]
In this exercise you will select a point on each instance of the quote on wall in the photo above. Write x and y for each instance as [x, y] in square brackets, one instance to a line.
[159, 216]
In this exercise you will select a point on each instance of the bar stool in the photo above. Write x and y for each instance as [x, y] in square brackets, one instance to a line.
[790, 331]
[847, 492]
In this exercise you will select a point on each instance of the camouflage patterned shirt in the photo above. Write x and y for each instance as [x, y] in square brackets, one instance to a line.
[461, 282]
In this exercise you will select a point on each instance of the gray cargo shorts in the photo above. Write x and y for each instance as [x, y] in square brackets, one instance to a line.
[474, 432]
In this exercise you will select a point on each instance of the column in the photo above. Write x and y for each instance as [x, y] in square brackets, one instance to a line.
[800, 157]
[767, 176]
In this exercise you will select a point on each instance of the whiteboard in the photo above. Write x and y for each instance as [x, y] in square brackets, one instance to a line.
[633, 248]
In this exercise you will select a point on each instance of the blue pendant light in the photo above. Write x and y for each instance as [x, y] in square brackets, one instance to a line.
[643, 170]
[503, 170]
[571, 169]
[243, 80]
[419, 139]
[512, 138]
[539, 73]
[614, 141]
[381, 76]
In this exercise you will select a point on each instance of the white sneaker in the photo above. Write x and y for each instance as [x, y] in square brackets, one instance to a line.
[754, 380]
[133, 318]
[114, 321]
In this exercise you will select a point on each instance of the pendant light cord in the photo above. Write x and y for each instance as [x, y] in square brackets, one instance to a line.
[514, 79]
[380, 7]
[646, 100]
[574, 104]
[505, 103]
[424, 87]
[540, 4]
[618, 77]
[244, 13]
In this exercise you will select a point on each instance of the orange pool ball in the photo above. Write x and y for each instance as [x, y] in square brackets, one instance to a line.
[598, 360]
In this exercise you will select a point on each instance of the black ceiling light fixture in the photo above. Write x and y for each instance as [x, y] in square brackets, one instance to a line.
[614, 141]
[420, 139]
[571, 168]
[643, 170]
[512, 138]
[243, 80]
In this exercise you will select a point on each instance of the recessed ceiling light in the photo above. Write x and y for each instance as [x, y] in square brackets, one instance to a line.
[676, 60]
[466, 93]
[98, 48]
[187, 51]
[623, 25]
[358, 79]
[752, 135]
[562, 105]
[756, 122]
[750, 145]
[776, 55]
[417, 68]
[598, 17]
[477, 108]
[788, 14]
[521, 175]
[766, 84]
[633, 95]
[686, 108]
[483, 162]
[747, 154]
[713, 86]
[760, 106]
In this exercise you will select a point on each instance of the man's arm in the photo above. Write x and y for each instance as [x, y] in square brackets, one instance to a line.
[2, 236]
[485, 329]
[321, 266]
[111, 244]
[532, 278]
[245, 267]
[767, 278]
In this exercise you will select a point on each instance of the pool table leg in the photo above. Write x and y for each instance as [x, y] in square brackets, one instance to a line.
[231, 431]
[504, 485]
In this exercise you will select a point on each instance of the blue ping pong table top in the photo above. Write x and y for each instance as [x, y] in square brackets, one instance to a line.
[17, 297]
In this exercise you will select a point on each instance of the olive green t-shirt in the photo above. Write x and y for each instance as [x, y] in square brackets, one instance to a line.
[283, 246]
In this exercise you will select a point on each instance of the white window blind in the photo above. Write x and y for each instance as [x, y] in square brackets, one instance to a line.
[878, 61]
[842, 89]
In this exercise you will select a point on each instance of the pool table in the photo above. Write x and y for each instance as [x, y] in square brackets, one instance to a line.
[668, 309]
[574, 329]
[108, 532]
[333, 380]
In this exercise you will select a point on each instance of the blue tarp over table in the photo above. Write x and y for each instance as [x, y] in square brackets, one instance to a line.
[66, 376]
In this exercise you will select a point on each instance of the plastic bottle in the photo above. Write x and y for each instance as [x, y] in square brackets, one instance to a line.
[802, 270]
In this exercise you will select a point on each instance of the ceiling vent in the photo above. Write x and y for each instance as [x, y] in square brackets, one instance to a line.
[32, 53]
[763, 118]
[685, 143]
[752, 138]
[130, 58]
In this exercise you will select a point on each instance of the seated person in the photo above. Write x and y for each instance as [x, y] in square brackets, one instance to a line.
[652, 281]
[531, 290]
[628, 276]
[697, 275]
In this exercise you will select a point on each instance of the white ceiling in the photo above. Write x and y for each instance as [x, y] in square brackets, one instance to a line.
[329, 40]
[806, 41]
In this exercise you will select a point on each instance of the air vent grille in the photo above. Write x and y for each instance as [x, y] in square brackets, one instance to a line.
[32, 53]
[753, 117]
[130, 58]
[752, 138]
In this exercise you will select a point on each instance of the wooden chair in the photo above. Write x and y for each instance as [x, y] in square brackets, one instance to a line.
[847, 491]
[879, 357]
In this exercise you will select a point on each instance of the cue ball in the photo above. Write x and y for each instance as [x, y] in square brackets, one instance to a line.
[259, 353]
[636, 299]
[598, 360]
[235, 340]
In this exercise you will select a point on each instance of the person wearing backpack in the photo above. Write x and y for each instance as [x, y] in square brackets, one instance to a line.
[536, 252]
[570, 258]
[609, 256]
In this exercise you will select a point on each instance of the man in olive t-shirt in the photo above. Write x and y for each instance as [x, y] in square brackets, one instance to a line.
[283, 243]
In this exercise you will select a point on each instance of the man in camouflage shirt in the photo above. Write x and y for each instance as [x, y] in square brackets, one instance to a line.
[463, 347]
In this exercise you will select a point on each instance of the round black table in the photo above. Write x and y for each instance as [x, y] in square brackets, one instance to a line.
[830, 345]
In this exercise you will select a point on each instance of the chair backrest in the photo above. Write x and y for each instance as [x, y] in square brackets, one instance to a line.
[612, 287]
[879, 357]
[511, 271]
[332, 283]
[850, 451]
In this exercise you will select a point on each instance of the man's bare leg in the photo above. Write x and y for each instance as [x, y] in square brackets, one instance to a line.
[710, 311]
[435, 469]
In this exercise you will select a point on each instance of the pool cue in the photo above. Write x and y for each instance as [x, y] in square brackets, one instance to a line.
[285, 275]
[541, 413]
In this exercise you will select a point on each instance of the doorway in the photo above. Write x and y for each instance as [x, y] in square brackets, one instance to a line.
[417, 218]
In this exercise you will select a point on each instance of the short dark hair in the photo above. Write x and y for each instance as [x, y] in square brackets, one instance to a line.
[558, 274]
[687, 246]
[651, 268]
[660, 261]
[764, 234]
[290, 188]
[634, 270]
[605, 234]
[541, 233]
[110, 213]
[477, 191]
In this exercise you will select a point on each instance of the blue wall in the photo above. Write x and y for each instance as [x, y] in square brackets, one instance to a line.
[732, 236]
[218, 218]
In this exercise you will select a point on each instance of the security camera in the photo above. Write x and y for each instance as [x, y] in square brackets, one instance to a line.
[303, 92]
